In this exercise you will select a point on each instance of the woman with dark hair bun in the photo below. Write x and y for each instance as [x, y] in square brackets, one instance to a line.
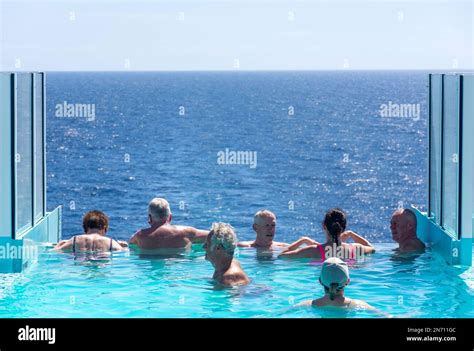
[334, 225]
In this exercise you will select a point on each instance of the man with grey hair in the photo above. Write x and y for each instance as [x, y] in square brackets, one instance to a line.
[403, 227]
[162, 237]
[264, 225]
[220, 246]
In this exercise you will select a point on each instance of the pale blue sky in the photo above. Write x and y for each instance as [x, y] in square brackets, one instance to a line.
[216, 35]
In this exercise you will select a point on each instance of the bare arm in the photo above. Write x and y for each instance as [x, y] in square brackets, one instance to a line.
[133, 240]
[64, 245]
[366, 245]
[244, 244]
[311, 251]
[301, 241]
[122, 243]
[197, 235]
[278, 244]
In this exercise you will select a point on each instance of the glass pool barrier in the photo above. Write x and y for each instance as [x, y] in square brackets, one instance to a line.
[24, 221]
[448, 225]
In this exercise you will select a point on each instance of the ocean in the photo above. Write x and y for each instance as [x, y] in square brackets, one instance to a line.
[220, 146]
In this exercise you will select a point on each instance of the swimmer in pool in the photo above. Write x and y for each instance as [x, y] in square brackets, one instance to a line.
[264, 225]
[162, 237]
[220, 246]
[403, 228]
[95, 225]
[334, 225]
[334, 278]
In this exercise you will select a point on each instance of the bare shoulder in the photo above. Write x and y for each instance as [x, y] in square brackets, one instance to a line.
[305, 303]
[141, 232]
[134, 238]
[235, 278]
[235, 275]
[361, 304]
[418, 244]
[415, 245]
[318, 302]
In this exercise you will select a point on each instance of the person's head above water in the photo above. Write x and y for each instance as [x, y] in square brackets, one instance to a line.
[403, 225]
[334, 276]
[159, 211]
[334, 224]
[403, 228]
[95, 222]
[220, 244]
[264, 225]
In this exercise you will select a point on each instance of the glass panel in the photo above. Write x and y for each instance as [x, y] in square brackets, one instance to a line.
[5, 153]
[451, 154]
[435, 147]
[23, 157]
[468, 124]
[39, 146]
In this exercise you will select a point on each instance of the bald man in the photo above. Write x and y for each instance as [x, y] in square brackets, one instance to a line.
[403, 227]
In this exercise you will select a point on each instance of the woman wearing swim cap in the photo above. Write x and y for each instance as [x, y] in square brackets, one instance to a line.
[334, 278]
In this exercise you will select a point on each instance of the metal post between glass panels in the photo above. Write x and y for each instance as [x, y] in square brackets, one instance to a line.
[33, 148]
[13, 154]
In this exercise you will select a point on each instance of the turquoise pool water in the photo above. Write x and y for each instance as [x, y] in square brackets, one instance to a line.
[127, 285]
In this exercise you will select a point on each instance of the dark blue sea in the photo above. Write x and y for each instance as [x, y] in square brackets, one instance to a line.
[319, 139]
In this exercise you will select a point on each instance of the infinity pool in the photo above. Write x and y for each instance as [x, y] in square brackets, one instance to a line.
[127, 285]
